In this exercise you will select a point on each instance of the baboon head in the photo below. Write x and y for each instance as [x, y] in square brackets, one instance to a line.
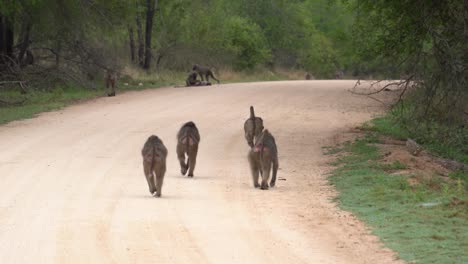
[194, 67]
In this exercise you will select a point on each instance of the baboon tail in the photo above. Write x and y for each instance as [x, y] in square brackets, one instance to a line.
[252, 113]
[275, 171]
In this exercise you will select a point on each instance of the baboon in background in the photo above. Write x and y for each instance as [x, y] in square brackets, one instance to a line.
[111, 78]
[339, 74]
[261, 157]
[192, 79]
[308, 76]
[154, 164]
[204, 72]
[252, 127]
[188, 139]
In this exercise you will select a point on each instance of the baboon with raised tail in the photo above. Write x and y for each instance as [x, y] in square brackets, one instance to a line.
[252, 127]
[154, 164]
[263, 158]
[188, 139]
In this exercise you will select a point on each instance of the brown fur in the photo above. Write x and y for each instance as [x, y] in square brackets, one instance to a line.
[308, 76]
[188, 139]
[261, 157]
[111, 79]
[204, 72]
[252, 127]
[192, 79]
[154, 164]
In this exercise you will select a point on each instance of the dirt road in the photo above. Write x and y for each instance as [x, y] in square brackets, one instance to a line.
[72, 187]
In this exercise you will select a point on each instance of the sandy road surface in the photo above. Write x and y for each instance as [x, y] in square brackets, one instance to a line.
[72, 188]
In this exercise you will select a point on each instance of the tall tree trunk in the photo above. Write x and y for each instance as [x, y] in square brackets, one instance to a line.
[466, 39]
[132, 43]
[150, 9]
[141, 47]
[25, 32]
[6, 40]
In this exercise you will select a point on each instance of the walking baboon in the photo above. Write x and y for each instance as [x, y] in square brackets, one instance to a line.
[261, 157]
[204, 72]
[188, 139]
[308, 76]
[154, 164]
[111, 78]
[252, 127]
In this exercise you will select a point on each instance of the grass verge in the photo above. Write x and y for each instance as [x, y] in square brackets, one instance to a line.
[424, 221]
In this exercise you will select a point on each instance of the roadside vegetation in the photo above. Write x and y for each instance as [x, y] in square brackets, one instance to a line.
[421, 215]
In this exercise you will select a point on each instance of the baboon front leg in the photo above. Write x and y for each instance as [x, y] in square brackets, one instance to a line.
[192, 160]
[149, 177]
[159, 172]
[181, 157]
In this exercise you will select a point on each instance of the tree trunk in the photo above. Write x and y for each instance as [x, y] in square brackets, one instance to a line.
[6, 41]
[466, 40]
[150, 9]
[25, 32]
[141, 47]
[132, 43]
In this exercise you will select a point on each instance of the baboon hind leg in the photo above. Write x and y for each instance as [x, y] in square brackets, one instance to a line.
[266, 168]
[212, 76]
[192, 160]
[181, 157]
[149, 177]
[275, 171]
[160, 170]
[255, 170]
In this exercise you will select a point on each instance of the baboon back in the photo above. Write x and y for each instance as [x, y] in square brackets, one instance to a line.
[252, 127]
[154, 150]
[188, 134]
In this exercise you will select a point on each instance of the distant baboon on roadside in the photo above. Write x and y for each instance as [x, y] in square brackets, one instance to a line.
[111, 78]
[339, 74]
[188, 139]
[252, 127]
[308, 76]
[154, 164]
[261, 157]
[204, 72]
[192, 79]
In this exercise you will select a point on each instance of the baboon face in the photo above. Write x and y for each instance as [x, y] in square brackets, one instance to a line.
[194, 67]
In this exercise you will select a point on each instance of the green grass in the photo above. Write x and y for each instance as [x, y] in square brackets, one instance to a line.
[425, 222]
[38, 101]
[446, 142]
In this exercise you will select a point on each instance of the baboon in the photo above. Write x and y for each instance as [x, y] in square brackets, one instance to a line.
[111, 78]
[252, 127]
[188, 139]
[261, 157]
[192, 79]
[204, 72]
[308, 76]
[154, 164]
[339, 74]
